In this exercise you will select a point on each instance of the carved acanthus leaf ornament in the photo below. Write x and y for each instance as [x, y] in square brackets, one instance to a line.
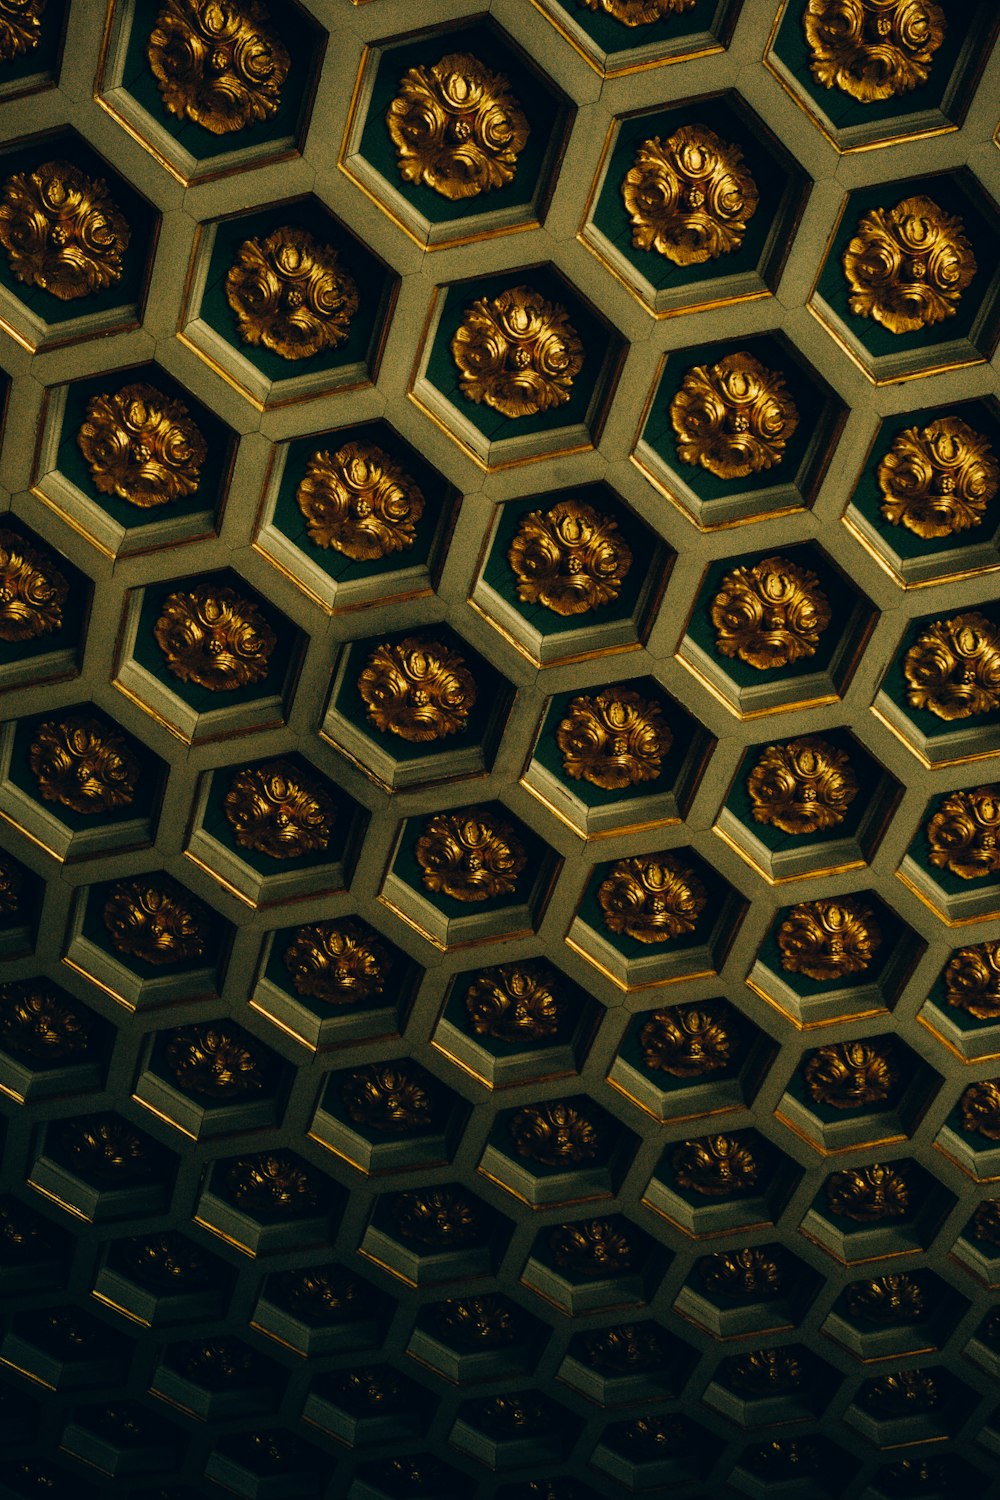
[592, 1247]
[338, 962]
[953, 667]
[741, 1275]
[897, 1298]
[166, 1263]
[360, 502]
[688, 1041]
[517, 352]
[35, 1022]
[32, 590]
[517, 1002]
[908, 266]
[828, 939]
[142, 446]
[986, 1222]
[626, 1349]
[571, 559]
[104, 1149]
[390, 1097]
[872, 49]
[20, 27]
[964, 833]
[734, 417]
[979, 1109]
[638, 12]
[215, 638]
[218, 63]
[470, 856]
[272, 1182]
[84, 765]
[11, 886]
[770, 614]
[439, 1217]
[614, 739]
[804, 786]
[556, 1135]
[278, 810]
[457, 127]
[849, 1075]
[651, 898]
[765, 1372]
[689, 197]
[215, 1060]
[715, 1166]
[478, 1322]
[869, 1194]
[972, 980]
[418, 689]
[62, 231]
[156, 923]
[291, 294]
[938, 479]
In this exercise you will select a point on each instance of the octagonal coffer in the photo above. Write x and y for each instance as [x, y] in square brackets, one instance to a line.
[457, 136]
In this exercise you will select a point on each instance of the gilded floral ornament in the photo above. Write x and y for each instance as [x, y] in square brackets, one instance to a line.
[36, 1023]
[215, 1060]
[614, 739]
[869, 1194]
[689, 197]
[515, 1003]
[439, 1217]
[340, 963]
[986, 1222]
[32, 590]
[166, 1263]
[417, 689]
[872, 49]
[569, 559]
[272, 1183]
[24, 1235]
[964, 833]
[555, 1135]
[478, 1322]
[938, 479]
[457, 127]
[714, 1167]
[388, 1097]
[907, 266]
[470, 856]
[156, 923]
[972, 980]
[638, 12]
[291, 294]
[20, 27]
[953, 668]
[890, 1299]
[105, 1150]
[804, 786]
[360, 502]
[278, 810]
[656, 1436]
[770, 615]
[142, 446]
[765, 1372]
[84, 765]
[737, 1275]
[62, 231]
[651, 898]
[849, 1075]
[979, 1109]
[904, 1393]
[734, 417]
[626, 1349]
[11, 887]
[323, 1295]
[213, 637]
[593, 1247]
[518, 353]
[828, 939]
[688, 1041]
[218, 63]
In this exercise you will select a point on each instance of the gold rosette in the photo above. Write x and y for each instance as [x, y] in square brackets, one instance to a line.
[715, 1167]
[953, 668]
[964, 833]
[517, 353]
[938, 479]
[417, 689]
[972, 980]
[828, 939]
[868, 1194]
[688, 1041]
[849, 1075]
[33, 592]
[638, 12]
[770, 615]
[20, 27]
[278, 810]
[340, 963]
[570, 559]
[872, 49]
[142, 446]
[470, 856]
[360, 502]
[155, 923]
[733, 418]
[291, 294]
[689, 197]
[62, 231]
[213, 637]
[84, 765]
[908, 266]
[805, 786]
[555, 1135]
[385, 1096]
[515, 1003]
[613, 740]
[218, 63]
[651, 898]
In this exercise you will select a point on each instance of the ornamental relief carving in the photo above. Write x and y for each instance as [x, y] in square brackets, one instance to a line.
[272, 1183]
[651, 898]
[873, 49]
[470, 856]
[896, 1298]
[964, 833]
[869, 1195]
[37, 1023]
[741, 1274]
[339, 963]
[733, 418]
[33, 592]
[360, 502]
[220, 65]
[155, 924]
[517, 352]
[62, 231]
[939, 479]
[555, 1135]
[953, 668]
[515, 1003]
[11, 887]
[979, 1109]
[438, 1218]
[769, 615]
[417, 689]
[20, 27]
[614, 740]
[908, 266]
[277, 810]
[850, 1075]
[142, 446]
[216, 1061]
[972, 980]
[214, 638]
[689, 1041]
[594, 1247]
[829, 939]
[638, 12]
[689, 198]
[715, 1167]
[81, 763]
[388, 1097]
[291, 294]
[570, 559]
[805, 786]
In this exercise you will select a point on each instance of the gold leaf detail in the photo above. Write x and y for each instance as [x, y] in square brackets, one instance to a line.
[907, 266]
[213, 637]
[886, 1299]
[556, 1135]
[155, 924]
[986, 1222]
[905, 1393]
[217, 62]
[272, 1183]
[938, 479]
[517, 352]
[142, 446]
[82, 764]
[32, 590]
[277, 810]
[689, 197]
[979, 1108]
[872, 49]
[953, 668]
[964, 833]
[651, 898]
[848, 1075]
[715, 1167]
[326, 1295]
[828, 939]
[106, 1150]
[770, 615]
[765, 1372]
[62, 231]
[457, 127]
[688, 1041]
[734, 418]
[439, 1217]
[594, 1247]
[34, 1022]
[11, 886]
[337, 962]
[514, 1003]
[569, 559]
[478, 1322]
[613, 740]
[638, 12]
[166, 1263]
[741, 1274]
[290, 294]
[470, 856]
[869, 1194]
[804, 786]
[20, 27]
[216, 1061]
[626, 1349]
[417, 689]
[360, 501]
[972, 980]
[385, 1096]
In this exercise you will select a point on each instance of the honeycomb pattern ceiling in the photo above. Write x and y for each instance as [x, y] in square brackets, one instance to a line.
[499, 833]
